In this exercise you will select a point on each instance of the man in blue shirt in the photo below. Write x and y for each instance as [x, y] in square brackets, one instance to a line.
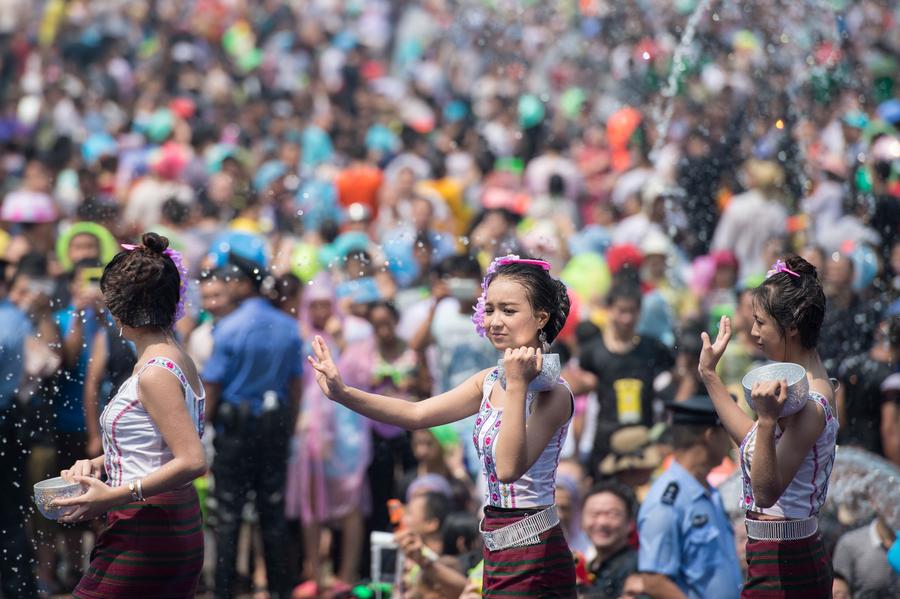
[16, 574]
[686, 539]
[252, 382]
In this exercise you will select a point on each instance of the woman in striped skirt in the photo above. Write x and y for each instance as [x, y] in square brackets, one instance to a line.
[152, 545]
[786, 456]
[523, 414]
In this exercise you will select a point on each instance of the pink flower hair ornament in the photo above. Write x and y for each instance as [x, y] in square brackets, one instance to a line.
[178, 260]
[478, 315]
[780, 266]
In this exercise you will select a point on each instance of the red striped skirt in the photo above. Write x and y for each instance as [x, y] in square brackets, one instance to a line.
[543, 570]
[788, 569]
[148, 549]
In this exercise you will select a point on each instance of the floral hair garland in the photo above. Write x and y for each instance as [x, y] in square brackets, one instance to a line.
[178, 259]
[478, 315]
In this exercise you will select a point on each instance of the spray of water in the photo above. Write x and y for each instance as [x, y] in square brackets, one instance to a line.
[663, 116]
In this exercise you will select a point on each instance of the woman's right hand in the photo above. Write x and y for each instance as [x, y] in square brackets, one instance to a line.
[327, 375]
[81, 468]
[712, 352]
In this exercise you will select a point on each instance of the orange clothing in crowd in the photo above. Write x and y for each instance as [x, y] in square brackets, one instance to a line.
[359, 185]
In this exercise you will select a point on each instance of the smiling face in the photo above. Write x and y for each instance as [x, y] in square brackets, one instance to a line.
[605, 521]
[509, 319]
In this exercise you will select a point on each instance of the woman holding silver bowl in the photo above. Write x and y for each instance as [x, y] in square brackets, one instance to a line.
[152, 545]
[524, 410]
[787, 454]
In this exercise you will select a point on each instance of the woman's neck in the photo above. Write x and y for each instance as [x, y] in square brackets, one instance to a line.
[807, 358]
[143, 340]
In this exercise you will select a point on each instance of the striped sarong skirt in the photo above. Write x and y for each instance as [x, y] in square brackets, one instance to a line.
[787, 569]
[546, 569]
[148, 549]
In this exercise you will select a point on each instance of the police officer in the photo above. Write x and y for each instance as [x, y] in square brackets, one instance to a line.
[252, 384]
[686, 538]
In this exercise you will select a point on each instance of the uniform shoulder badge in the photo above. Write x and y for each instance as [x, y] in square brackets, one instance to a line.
[669, 495]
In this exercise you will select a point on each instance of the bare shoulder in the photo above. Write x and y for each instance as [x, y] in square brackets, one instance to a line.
[180, 358]
[808, 421]
[556, 401]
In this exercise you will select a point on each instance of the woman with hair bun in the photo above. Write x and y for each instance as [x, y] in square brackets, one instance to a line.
[786, 461]
[152, 545]
[519, 430]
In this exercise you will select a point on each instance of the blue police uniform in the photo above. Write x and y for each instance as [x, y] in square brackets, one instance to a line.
[683, 529]
[256, 349]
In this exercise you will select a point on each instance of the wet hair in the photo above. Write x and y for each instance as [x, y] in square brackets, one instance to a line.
[545, 294]
[618, 489]
[794, 301]
[142, 286]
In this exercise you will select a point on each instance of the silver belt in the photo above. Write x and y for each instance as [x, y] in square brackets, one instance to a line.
[781, 530]
[525, 532]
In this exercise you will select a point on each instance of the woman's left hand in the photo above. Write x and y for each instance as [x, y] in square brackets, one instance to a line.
[768, 398]
[97, 500]
[522, 364]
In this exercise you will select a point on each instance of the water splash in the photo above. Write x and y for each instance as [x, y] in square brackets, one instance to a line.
[664, 117]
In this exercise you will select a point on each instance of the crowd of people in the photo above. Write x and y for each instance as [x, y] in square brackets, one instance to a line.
[340, 178]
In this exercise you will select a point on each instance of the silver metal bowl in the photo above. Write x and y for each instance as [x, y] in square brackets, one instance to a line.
[550, 371]
[794, 374]
[55, 488]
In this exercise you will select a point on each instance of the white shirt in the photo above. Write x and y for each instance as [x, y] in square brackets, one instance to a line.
[132, 444]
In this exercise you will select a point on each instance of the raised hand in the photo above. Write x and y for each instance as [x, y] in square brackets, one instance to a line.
[712, 352]
[327, 375]
[522, 364]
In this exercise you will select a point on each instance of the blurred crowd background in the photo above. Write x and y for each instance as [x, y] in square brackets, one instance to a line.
[371, 158]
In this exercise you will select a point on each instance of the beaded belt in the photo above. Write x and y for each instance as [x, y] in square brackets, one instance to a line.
[781, 530]
[525, 532]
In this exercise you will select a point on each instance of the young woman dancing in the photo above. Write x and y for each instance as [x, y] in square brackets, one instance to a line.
[152, 545]
[785, 461]
[518, 432]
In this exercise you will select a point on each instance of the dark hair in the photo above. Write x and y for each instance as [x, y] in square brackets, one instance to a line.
[624, 288]
[284, 286]
[456, 525]
[545, 293]
[142, 287]
[618, 489]
[556, 185]
[389, 306]
[176, 211]
[893, 335]
[685, 436]
[437, 507]
[464, 265]
[794, 300]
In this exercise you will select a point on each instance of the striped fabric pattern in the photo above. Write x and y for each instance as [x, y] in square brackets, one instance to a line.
[787, 569]
[544, 570]
[148, 549]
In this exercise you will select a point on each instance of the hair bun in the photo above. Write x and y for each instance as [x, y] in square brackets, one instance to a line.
[155, 242]
[801, 266]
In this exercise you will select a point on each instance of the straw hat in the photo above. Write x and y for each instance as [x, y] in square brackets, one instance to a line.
[630, 449]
